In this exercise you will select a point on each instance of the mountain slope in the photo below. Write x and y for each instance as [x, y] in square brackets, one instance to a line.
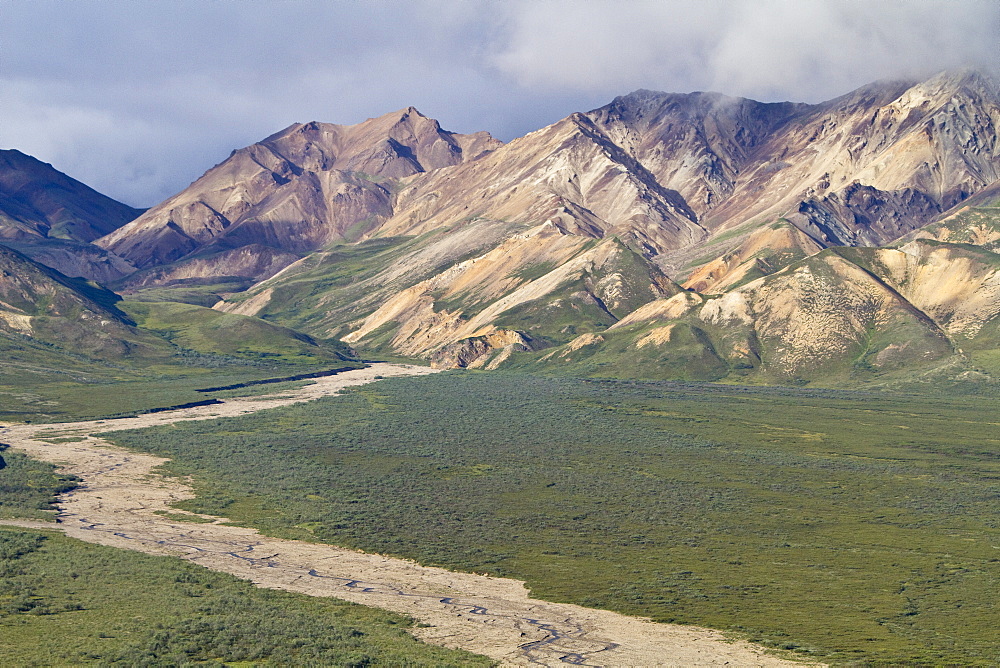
[418, 296]
[824, 318]
[200, 329]
[696, 144]
[868, 167]
[51, 218]
[50, 320]
[673, 176]
[38, 201]
[570, 174]
[296, 191]
[38, 303]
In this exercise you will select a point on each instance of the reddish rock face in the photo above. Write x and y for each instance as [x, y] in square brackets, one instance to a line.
[297, 190]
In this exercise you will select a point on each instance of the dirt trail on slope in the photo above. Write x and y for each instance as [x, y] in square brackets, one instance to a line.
[116, 504]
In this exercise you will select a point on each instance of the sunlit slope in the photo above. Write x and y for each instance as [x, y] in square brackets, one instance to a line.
[65, 314]
[203, 330]
[824, 318]
[461, 294]
[296, 191]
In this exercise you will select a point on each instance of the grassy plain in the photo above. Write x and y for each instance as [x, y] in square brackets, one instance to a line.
[857, 528]
[66, 395]
[64, 602]
[39, 386]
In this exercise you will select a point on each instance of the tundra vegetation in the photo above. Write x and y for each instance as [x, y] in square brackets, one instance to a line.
[65, 602]
[28, 488]
[859, 529]
[67, 393]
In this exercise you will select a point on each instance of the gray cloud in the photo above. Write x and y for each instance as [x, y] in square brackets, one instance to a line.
[768, 49]
[137, 98]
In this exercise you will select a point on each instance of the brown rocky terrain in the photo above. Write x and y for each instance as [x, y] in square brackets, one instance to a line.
[253, 261]
[395, 235]
[663, 172]
[296, 191]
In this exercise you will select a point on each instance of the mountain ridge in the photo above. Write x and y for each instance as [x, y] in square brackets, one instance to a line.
[53, 218]
[36, 200]
[296, 190]
[399, 237]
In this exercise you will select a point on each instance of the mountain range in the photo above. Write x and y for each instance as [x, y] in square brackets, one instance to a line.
[690, 236]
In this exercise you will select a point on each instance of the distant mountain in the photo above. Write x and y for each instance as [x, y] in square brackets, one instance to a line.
[36, 200]
[52, 218]
[294, 192]
[859, 170]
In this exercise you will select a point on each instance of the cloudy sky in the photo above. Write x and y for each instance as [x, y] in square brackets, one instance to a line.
[137, 98]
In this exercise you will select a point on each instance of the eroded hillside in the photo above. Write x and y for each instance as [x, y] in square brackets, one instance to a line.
[662, 235]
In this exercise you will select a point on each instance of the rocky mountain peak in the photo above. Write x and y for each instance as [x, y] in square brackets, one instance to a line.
[394, 145]
[696, 144]
[947, 89]
[297, 190]
[413, 111]
[970, 79]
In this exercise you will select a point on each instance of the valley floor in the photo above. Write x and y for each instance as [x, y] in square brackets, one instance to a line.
[123, 502]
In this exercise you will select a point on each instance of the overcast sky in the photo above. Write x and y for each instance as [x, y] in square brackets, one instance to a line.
[138, 98]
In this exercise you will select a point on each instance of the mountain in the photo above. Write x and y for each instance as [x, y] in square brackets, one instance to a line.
[569, 174]
[55, 318]
[862, 169]
[736, 198]
[295, 192]
[672, 175]
[37, 201]
[44, 306]
[662, 235]
[52, 218]
[823, 316]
